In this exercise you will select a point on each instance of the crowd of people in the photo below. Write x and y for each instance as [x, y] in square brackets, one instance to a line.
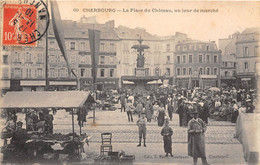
[218, 104]
[194, 107]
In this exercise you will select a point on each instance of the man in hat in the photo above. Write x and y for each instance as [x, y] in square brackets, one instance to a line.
[141, 123]
[249, 106]
[19, 137]
[167, 138]
[196, 138]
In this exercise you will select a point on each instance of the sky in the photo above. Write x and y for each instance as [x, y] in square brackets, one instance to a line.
[229, 18]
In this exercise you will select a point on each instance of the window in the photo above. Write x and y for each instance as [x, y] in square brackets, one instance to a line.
[16, 57]
[63, 72]
[178, 59]
[5, 48]
[178, 71]
[39, 72]
[184, 71]
[184, 59]
[234, 73]
[207, 48]
[51, 42]
[190, 71]
[226, 73]
[190, 58]
[215, 71]
[185, 48]
[168, 71]
[57, 58]
[39, 58]
[226, 64]
[82, 59]
[51, 58]
[28, 57]
[246, 52]
[168, 48]
[102, 47]
[52, 72]
[246, 65]
[208, 58]
[112, 47]
[73, 59]
[201, 71]
[102, 72]
[235, 65]
[200, 58]
[178, 48]
[82, 46]
[102, 59]
[5, 59]
[17, 72]
[40, 42]
[5, 73]
[111, 74]
[28, 72]
[82, 72]
[208, 71]
[168, 59]
[215, 59]
[72, 46]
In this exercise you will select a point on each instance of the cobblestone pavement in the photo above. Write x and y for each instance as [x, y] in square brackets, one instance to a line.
[218, 132]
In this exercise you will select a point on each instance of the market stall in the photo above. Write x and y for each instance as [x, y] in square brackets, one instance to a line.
[40, 142]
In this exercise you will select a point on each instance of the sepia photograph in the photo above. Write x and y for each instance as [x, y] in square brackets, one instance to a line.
[113, 82]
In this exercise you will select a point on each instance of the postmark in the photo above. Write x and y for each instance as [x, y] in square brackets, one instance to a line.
[24, 23]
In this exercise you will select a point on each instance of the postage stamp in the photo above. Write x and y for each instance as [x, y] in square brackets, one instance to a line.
[24, 23]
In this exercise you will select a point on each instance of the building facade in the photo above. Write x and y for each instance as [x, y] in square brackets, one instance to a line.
[197, 64]
[247, 52]
[229, 60]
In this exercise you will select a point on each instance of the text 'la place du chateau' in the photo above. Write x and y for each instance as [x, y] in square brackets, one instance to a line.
[147, 10]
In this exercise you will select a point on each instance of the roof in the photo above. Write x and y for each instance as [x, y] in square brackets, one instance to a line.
[128, 33]
[73, 29]
[45, 99]
[251, 30]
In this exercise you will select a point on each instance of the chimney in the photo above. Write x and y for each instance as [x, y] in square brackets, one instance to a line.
[110, 24]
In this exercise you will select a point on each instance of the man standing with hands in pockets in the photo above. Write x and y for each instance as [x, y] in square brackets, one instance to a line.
[141, 123]
[196, 139]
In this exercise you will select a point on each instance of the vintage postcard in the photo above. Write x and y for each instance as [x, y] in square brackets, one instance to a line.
[129, 82]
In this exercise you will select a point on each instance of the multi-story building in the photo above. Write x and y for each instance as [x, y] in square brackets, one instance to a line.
[5, 70]
[229, 60]
[168, 49]
[28, 64]
[197, 64]
[247, 52]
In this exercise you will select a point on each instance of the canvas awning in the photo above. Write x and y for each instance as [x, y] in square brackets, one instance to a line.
[155, 82]
[128, 82]
[45, 99]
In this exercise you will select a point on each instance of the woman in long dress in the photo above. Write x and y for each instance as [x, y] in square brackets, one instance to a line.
[161, 115]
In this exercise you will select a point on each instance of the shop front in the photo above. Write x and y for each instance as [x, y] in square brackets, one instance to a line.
[33, 85]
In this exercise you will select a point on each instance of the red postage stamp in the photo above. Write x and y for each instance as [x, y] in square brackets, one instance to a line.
[19, 25]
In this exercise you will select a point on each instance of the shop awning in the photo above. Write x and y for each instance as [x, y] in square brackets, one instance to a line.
[45, 99]
[63, 83]
[155, 82]
[128, 82]
[33, 83]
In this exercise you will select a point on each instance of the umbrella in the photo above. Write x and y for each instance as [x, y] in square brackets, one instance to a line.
[214, 89]
[164, 86]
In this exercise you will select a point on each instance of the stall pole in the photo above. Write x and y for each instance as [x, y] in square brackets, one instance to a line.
[94, 110]
[26, 118]
[73, 123]
[80, 122]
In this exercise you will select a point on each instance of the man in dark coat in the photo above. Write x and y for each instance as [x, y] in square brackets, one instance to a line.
[167, 138]
[180, 111]
[196, 139]
[205, 111]
[19, 137]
